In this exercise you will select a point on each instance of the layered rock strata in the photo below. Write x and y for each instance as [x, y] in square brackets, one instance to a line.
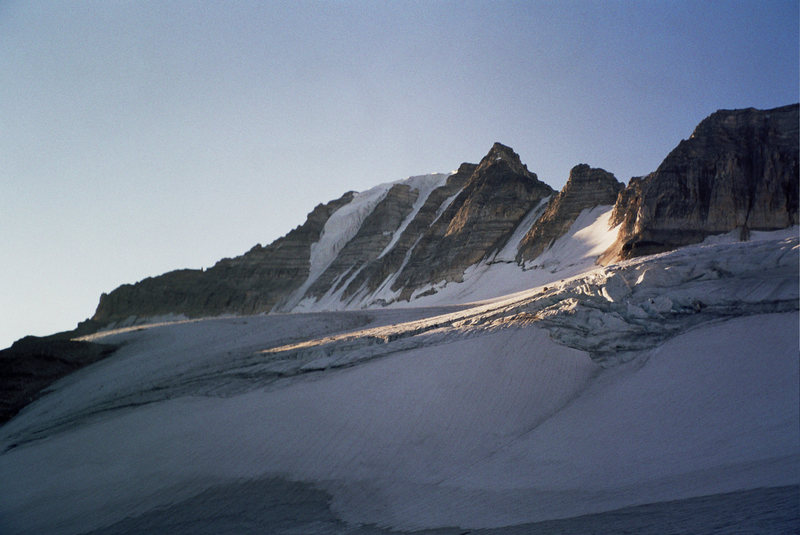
[477, 223]
[382, 268]
[248, 284]
[738, 170]
[586, 188]
[373, 236]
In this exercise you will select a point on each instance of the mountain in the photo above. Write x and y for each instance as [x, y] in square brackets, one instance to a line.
[403, 241]
[449, 352]
[373, 247]
[585, 189]
[738, 170]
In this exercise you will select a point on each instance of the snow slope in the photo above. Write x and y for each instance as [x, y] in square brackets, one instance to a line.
[344, 224]
[573, 253]
[499, 413]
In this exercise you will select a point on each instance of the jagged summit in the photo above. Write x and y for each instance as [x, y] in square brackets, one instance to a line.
[475, 223]
[506, 155]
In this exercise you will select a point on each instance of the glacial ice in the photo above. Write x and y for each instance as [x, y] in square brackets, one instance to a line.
[660, 378]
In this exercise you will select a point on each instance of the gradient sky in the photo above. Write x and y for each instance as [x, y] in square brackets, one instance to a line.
[140, 137]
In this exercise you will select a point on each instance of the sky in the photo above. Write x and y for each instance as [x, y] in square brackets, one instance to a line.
[138, 137]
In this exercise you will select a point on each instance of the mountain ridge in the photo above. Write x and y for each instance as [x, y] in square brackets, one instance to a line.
[404, 240]
[421, 234]
[738, 169]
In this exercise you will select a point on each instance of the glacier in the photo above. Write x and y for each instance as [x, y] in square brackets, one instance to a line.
[517, 396]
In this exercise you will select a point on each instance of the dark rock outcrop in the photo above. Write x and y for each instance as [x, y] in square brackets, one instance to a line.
[738, 170]
[586, 188]
[372, 238]
[252, 283]
[33, 363]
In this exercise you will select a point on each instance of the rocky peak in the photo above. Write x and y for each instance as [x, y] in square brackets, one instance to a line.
[586, 188]
[465, 170]
[500, 184]
[477, 222]
[582, 175]
[738, 170]
[501, 154]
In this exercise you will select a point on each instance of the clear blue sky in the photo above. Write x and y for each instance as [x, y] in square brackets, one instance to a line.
[139, 137]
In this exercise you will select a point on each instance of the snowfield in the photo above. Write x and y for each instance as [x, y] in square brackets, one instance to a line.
[662, 378]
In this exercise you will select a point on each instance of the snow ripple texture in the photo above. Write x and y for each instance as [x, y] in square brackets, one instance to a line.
[663, 378]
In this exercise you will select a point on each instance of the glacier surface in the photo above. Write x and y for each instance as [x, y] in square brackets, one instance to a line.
[667, 377]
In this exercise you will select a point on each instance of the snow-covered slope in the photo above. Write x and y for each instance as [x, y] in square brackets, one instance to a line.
[499, 275]
[660, 378]
[345, 223]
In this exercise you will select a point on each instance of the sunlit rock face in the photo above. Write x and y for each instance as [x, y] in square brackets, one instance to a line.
[376, 246]
[248, 284]
[586, 188]
[479, 221]
[738, 170]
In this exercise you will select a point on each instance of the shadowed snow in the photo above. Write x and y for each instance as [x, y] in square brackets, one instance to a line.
[656, 379]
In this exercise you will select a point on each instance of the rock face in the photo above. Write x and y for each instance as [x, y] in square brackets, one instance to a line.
[33, 363]
[479, 221]
[373, 236]
[738, 170]
[397, 241]
[404, 236]
[586, 188]
[412, 239]
[381, 269]
[248, 284]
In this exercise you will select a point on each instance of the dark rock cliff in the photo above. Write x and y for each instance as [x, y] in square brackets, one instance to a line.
[372, 275]
[586, 188]
[738, 170]
[248, 284]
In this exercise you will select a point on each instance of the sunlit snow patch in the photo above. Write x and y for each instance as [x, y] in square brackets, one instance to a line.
[344, 224]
